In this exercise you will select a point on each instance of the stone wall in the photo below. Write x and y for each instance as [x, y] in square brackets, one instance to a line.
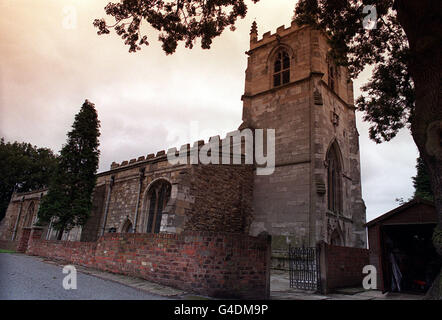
[8, 223]
[335, 123]
[221, 265]
[91, 230]
[283, 201]
[223, 198]
[203, 197]
[19, 206]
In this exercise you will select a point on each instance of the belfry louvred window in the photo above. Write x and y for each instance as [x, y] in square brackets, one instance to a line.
[281, 69]
[332, 72]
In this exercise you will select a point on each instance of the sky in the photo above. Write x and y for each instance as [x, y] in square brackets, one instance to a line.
[51, 60]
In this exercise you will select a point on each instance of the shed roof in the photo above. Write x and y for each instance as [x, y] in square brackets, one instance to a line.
[403, 208]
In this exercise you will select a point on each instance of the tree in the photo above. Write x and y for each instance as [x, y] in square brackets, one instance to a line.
[421, 182]
[177, 20]
[69, 199]
[23, 167]
[404, 49]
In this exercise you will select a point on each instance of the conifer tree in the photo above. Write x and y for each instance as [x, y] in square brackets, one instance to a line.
[421, 182]
[69, 199]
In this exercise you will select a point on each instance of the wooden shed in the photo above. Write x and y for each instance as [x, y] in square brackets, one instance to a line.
[401, 248]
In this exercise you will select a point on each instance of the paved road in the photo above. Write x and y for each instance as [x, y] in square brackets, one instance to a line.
[25, 277]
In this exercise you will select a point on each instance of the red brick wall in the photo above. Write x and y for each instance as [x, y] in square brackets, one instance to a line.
[213, 264]
[23, 242]
[8, 245]
[80, 253]
[343, 266]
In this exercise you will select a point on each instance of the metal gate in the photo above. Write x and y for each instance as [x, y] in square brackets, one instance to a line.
[304, 268]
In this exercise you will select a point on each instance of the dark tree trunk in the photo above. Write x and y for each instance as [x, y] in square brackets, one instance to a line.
[422, 23]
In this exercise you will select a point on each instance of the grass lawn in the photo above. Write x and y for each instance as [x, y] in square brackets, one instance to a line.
[6, 251]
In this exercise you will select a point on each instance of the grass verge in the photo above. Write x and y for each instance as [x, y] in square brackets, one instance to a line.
[6, 251]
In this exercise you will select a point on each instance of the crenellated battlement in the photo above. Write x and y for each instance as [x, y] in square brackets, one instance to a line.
[268, 37]
[184, 149]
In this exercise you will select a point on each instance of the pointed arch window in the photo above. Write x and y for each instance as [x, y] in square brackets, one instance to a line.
[159, 195]
[29, 216]
[281, 69]
[334, 180]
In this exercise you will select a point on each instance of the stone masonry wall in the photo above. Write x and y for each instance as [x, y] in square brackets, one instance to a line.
[335, 123]
[214, 264]
[91, 229]
[203, 197]
[8, 223]
[223, 198]
[19, 208]
[282, 201]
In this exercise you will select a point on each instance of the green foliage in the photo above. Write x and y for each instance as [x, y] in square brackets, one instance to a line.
[437, 237]
[24, 167]
[69, 198]
[388, 99]
[6, 251]
[177, 20]
[421, 181]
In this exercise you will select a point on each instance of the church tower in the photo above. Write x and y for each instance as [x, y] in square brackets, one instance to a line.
[314, 194]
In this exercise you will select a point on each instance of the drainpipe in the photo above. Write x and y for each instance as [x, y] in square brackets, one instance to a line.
[134, 229]
[18, 218]
[112, 180]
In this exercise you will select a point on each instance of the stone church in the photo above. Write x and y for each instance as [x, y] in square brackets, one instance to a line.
[314, 193]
